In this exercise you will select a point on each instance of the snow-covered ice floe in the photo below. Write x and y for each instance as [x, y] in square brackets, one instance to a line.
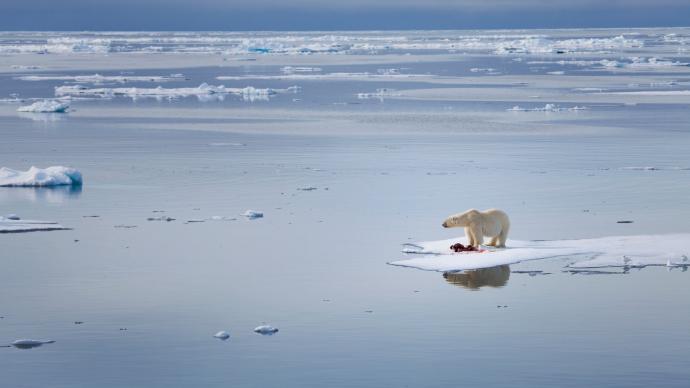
[547, 108]
[45, 106]
[248, 93]
[97, 78]
[40, 177]
[380, 94]
[222, 335]
[13, 224]
[671, 250]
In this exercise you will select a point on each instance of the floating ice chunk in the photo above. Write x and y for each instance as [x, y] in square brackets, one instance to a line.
[487, 70]
[37, 177]
[625, 251]
[251, 214]
[13, 224]
[380, 94]
[222, 335]
[45, 106]
[546, 108]
[161, 218]
[266, 330]
[97, 78]
[29, 343]
[307, 188]
[292, 70]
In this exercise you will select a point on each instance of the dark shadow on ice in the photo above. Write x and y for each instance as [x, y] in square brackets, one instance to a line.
[478, 278]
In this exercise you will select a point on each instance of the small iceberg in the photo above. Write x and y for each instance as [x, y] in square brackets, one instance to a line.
[45, 106]
[252, 214]
[265, 330]
[29, 343]
[222, 335]
[38, 177]
[13, 224]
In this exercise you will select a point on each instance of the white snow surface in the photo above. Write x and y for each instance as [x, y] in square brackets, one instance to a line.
[45, 106]
[40, 177]
[12, 224]
[671, 250]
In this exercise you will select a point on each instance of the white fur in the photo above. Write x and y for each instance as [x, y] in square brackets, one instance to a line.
[492, 223]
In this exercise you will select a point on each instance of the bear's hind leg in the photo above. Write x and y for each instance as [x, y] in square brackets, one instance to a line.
[502, 238]
[493, 242]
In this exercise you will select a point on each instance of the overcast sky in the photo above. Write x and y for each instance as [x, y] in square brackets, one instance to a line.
[237, 15]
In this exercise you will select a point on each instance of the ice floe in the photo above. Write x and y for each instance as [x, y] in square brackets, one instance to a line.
[39, 177]
[29, 343]
[98, 79]
[222, 335]
[620, 251]
[45, 106]
[248, 93]
[253, 214]
[13, 224]
[380, 94]
[265, 330]
[547, 108]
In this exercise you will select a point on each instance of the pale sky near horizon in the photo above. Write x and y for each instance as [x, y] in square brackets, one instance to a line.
[238, 15]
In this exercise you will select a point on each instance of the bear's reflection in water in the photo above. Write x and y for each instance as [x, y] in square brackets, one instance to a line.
[476, 279]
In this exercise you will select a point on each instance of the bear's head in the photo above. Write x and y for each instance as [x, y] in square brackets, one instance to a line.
[460, 219]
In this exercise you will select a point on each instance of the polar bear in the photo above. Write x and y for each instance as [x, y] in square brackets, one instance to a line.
[493, 223]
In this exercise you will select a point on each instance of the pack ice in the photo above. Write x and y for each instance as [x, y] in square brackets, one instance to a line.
[671, 250]
[40, 177]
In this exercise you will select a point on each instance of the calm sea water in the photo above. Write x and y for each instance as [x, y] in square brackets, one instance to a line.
[386, 172]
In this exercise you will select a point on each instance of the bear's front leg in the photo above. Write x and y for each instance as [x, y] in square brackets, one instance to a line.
[470, 236]
[477, 236]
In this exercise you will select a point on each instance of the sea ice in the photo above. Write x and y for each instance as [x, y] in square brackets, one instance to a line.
[98, 79]
[547, 108]
[222, 335]
[13, 224]
[37, 177]
[29, 343]
[621, 251]
[248, 93]
[251, 214]
[266, 330]
[380, 94]
[45, 106]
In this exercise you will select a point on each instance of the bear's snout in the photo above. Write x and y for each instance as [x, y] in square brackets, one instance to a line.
[444, 224]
